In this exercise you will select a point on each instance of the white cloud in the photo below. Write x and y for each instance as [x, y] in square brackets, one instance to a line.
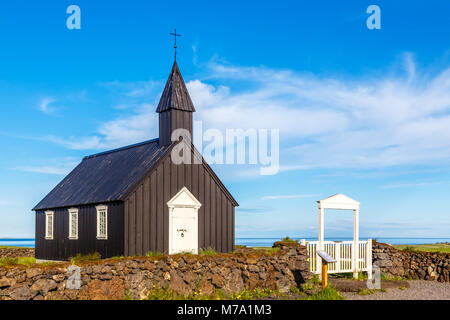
[116, 133]
[44, 106]
[331, 122]
[335, 122]
[53, 167]
[289, 196]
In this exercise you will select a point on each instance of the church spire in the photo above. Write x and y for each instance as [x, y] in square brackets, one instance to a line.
[175, 107]
[175, 94]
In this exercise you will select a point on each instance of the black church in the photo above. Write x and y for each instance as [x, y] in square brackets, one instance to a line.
[134, 199]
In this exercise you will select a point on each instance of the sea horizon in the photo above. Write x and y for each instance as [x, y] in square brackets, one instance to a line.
[267, 241]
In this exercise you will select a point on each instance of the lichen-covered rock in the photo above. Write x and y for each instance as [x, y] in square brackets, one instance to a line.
[414, 265]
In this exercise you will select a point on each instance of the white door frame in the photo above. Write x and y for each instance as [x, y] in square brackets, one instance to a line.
[183, 199]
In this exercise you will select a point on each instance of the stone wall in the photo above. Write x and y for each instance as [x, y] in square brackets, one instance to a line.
[16, 252]
[182, 274]
[413, 265]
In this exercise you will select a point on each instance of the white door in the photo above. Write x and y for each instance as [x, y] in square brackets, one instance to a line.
[184, 230]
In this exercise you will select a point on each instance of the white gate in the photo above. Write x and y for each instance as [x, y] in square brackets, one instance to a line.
[341, 251]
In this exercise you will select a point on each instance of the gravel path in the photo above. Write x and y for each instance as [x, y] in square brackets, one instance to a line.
[418, 290]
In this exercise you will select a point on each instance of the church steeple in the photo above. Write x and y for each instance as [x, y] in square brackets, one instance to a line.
[175, 107]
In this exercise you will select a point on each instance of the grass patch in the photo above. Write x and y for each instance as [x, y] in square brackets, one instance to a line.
[26, 261]
[349, 275]
[81, 258]
[207, 251]
[267, 250]
[329, 293]
[370, 291]
[366, 292]
[435, 248]
[12, 247]
[162, 294]
[154, 254]
[255, 294]
[387, 276]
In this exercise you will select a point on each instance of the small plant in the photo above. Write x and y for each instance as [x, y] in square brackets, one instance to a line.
[255, 293]
[315, 280]
[208, 251]
[128, 295]
[297, 290]
[402, 288]
[349, 275]
[288, 239]
[8, 261]
[387, 276]
[82, 258]
[306, 287]
[154, 254]
[366, 292]
[329, 293]
[159, 293]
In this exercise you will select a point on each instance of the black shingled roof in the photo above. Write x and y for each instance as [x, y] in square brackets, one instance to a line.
[105, 176]
[175, 94]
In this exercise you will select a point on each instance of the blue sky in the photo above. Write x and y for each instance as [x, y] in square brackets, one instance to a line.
[360, 112]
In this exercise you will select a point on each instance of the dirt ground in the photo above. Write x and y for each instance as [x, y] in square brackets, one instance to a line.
[393, 290]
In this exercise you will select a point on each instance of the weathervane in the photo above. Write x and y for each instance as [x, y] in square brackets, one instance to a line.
[175, 35]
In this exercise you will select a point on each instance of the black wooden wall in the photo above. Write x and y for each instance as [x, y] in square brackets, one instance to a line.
[171, 120]
[61, 248]
[147, 214]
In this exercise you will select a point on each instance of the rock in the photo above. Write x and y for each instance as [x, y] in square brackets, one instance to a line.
[113, 289]
[7, 282]
[59, 277]
[106, 269]
[189, 277]
[22, 292]
[177, 284]
[206, 288]
[253, 268]
[43, 286]
[218, 281]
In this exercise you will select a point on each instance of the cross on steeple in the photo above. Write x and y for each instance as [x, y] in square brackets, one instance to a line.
[175, 35]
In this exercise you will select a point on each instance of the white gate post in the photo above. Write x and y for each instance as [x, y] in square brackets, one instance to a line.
[320, 245]
[355, 252]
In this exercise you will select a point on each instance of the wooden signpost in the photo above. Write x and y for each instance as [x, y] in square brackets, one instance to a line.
[326, 259]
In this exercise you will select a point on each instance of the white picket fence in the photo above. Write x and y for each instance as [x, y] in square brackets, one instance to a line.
[342, 252]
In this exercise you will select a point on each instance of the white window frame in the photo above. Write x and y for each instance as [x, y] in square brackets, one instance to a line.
[73, 211]
[47, 215]
[100, 209]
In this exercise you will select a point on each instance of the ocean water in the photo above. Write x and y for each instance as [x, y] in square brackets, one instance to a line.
[262, 242]
[267, 242]
[29, 243]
